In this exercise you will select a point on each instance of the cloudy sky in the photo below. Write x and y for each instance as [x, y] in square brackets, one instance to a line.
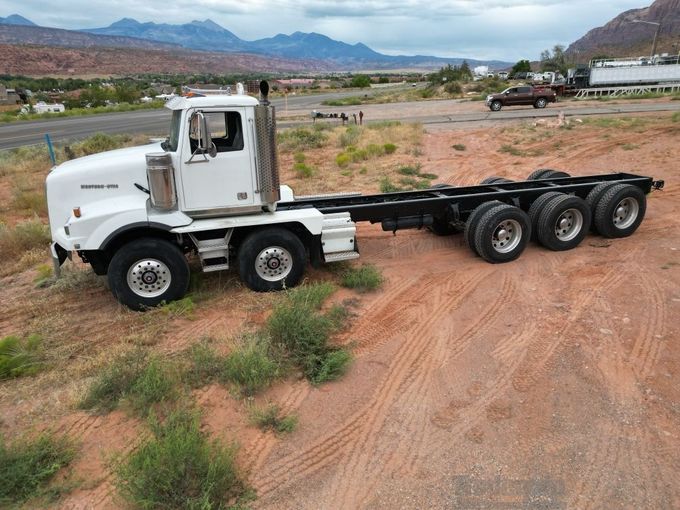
[485, 29]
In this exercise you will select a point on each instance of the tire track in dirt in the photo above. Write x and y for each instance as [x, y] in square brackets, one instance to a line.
[540, 352]
[324, 450]
[648, 345]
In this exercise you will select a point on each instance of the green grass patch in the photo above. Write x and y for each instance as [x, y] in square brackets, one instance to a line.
[362, 278]
[389, 148]
[629, 146]
[458, 146]
[675, 117]
[299, 157]
[252, 365]
[79, 112]
[184, 307]
[344, 101]
[26, 466]
[409, 170]
[181, 468]
[383, 124]
[135, 376]
[350, 137]
[270, 418]
[204, 365]
[428, 176]
[298, 324]
[20, 356]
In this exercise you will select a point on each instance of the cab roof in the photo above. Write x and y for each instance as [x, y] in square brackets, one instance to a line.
[211, 101]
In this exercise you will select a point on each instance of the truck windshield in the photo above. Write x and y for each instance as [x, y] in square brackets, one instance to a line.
[170, 144]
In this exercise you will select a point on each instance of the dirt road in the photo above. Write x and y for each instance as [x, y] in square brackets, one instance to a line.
[549, 382]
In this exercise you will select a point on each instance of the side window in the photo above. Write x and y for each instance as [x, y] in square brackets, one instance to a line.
[512, 91]
[524, 90]
[226, 131]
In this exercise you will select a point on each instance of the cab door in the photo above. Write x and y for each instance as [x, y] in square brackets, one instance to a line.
[216, 185]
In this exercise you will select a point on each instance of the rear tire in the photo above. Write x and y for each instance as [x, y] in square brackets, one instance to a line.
[271, 259]
[147, 272]
[554, 174]
[563, 222]
[494, 179]
[502, 234]
[537, 207]
[620, 211]
[537, 174]
[473, 220]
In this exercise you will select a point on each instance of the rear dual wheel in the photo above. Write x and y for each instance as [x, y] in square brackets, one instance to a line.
[498, 232]
[546, 173]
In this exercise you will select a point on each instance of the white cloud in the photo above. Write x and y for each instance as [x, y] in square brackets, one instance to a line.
[498, 29]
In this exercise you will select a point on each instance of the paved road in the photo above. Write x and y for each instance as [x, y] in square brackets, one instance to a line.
[156, 122]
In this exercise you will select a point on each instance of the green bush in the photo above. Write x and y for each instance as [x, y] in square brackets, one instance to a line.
[332, 366]
[302, 138]
[386, 185]
[458, 146]
[25, 236]
[427, 176]
[453, 88]
[350, 136]
[676, 116]
[251, 366]
[373, 150]
[343, 159]
[299, 157]
[180, 468]
[298, 325]
[409, 170]
[19, 356]
[270, 418]
[362, 278]
[389, 148]
[304, 170]
[99, 142]
[26, 466]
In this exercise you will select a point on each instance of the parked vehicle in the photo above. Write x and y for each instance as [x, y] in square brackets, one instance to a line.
[539, 97]
[212, 189]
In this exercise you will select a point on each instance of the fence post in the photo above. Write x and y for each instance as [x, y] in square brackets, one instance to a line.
[50, 149]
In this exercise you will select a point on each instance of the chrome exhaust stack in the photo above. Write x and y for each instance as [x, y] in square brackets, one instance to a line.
[161, 177]
[267, 157]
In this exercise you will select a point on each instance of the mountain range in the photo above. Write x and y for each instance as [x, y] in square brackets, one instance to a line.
[625, 36]
[209, 36]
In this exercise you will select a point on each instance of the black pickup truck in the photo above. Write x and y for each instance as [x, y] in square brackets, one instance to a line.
[523, 95]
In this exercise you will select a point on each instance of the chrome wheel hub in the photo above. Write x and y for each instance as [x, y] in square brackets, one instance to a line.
[149, 278]
[569, 224]
[506, 236]
[273, 264]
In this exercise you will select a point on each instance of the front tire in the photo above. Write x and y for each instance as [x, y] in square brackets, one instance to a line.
[271, 259]
[496, 106]
[147, 272]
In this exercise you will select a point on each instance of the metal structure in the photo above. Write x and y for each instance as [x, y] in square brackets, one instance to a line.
[628, 90]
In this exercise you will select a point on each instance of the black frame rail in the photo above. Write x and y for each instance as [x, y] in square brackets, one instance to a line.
[455, 204]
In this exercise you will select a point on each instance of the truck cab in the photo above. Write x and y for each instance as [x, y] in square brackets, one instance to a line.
[209, 190]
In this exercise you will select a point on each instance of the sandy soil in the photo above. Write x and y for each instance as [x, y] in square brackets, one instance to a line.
[549, 382]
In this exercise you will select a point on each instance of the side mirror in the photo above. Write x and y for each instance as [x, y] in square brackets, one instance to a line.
[205, 144]
[507, 92]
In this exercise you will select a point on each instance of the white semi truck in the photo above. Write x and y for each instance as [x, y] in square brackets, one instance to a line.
[212, 190]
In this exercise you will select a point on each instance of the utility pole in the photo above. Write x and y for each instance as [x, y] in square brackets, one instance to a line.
[656, 33]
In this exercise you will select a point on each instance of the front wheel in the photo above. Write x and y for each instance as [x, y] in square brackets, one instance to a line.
[147, 272]
[271, 259]
[540, 102]
[496, 106]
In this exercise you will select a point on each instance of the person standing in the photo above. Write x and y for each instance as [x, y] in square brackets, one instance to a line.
[361, 117]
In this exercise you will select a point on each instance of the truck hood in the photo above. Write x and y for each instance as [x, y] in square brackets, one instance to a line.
[90, 181]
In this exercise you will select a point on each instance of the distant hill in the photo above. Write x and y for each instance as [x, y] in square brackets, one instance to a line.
[15, 19]
[208, 35]
[623, 38]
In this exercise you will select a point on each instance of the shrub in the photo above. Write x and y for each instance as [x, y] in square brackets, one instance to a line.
[386, 185]
[25, 236]
[179, 467]
[427, 176]
[362, 278]
[299, 326]
[304, 170]
[389, 148]
[251, 366]
[299, 157]
[332, 366]
[26, 466]
[19, 356]
[350, 136]
[373, 150]
[343, 159]
[458, 146]
[409, 170]
[269, 418]
[301, 138]
[453, 88]
[27, 200]
[676, 116]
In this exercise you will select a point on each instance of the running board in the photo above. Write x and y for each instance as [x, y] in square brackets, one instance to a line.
[338, 237]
